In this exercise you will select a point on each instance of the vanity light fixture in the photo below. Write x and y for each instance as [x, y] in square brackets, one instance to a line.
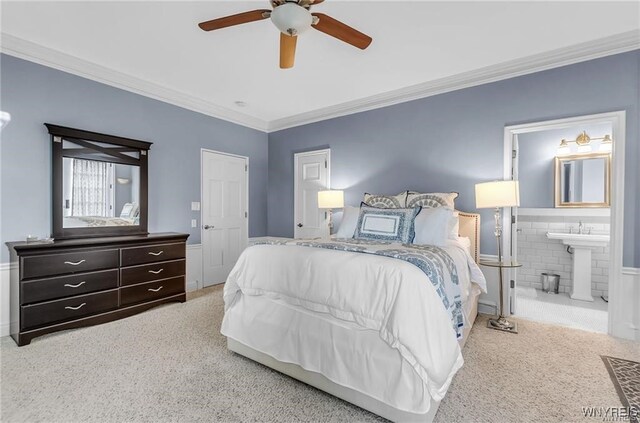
[583, 143]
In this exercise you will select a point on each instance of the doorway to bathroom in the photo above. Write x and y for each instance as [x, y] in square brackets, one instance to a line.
[567, 231]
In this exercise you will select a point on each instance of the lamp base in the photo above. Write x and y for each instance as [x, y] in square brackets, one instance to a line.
[503, 324]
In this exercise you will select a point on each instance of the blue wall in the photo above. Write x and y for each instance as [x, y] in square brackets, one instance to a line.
[35, 94]
[451, 141]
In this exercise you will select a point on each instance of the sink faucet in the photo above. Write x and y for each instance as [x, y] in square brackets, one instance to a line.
[580, 227]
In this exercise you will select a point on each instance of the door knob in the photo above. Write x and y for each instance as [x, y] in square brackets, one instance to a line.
[208, 227]
[299, 225]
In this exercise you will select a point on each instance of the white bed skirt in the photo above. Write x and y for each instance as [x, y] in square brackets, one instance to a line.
[319, 381]
[352, 396]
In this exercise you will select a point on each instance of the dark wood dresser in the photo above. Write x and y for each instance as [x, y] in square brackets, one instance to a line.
[80, 282]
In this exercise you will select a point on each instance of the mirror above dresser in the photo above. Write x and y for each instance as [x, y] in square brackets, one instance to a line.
[99, 184]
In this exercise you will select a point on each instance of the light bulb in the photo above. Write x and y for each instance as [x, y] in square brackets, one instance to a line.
[563, 148]
[586, 148]
[607, 144]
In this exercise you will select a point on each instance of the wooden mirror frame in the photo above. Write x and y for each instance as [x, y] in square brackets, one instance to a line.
[81, 137]
[607, 180]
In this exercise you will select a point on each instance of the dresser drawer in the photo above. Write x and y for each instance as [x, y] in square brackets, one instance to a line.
[32, 316]
[152, 253]
[67, 286]
[75, 262]
[152, 272]
[151, 290]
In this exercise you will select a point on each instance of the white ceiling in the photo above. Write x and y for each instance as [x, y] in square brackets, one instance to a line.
[156, 48]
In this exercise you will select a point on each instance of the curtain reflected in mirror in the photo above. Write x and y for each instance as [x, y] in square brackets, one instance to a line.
[583, 180]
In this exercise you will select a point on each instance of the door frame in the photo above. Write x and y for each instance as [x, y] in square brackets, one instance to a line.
[296, 157]
[246, 220]
[617, 119]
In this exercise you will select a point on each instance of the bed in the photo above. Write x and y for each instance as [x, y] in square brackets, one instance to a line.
[96, 221]
[356, 320]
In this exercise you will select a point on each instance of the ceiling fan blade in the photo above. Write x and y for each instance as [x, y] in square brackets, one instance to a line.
[240, 18]
[305, 3]
[287, 50]
[343, 32]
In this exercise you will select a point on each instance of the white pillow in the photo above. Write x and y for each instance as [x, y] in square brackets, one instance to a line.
[349, 222]
[432, 226]
[454, 225]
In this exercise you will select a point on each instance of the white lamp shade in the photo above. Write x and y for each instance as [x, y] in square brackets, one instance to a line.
[331, 199]
[497, 194]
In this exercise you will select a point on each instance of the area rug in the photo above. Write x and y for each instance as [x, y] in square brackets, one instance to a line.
[625, 375]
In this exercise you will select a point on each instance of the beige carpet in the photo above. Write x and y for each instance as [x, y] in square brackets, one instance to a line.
[171, 364]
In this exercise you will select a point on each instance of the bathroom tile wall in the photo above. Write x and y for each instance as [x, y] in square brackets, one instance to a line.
[538, 254]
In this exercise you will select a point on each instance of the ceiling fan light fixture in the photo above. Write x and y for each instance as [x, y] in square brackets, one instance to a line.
[291, 19]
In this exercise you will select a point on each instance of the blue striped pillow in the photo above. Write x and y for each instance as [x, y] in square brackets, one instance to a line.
[389, 225]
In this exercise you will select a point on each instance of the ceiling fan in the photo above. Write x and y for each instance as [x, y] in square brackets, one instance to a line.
[293, 17]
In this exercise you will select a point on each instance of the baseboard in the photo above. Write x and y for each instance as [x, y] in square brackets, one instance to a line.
[487, 307]
[194, 267]
[5, 283]
[628, 322]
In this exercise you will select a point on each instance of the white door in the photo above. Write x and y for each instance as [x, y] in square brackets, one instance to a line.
[224, 214]
[312, 175]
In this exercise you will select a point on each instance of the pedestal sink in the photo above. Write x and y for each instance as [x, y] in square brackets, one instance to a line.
[582, 244]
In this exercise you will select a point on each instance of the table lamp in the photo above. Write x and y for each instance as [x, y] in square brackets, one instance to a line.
[330, 199]
[499, 194]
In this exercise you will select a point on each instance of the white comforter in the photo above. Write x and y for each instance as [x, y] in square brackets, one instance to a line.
[382, 294]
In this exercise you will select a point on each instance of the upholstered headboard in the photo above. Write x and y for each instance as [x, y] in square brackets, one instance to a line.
[470, 228]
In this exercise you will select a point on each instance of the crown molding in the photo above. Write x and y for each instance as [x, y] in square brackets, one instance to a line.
[602, 47]
[23, 49]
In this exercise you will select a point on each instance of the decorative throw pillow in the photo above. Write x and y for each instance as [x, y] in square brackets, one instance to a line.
[391, 225]
[431, 199]
[386, 201]
[433, 226]
[349, 222]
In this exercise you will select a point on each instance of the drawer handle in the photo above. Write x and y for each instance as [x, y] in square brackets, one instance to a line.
[76, 285]
[155, 272]
[156, 254]
[155, 290]
[74, 264]
[75, 308]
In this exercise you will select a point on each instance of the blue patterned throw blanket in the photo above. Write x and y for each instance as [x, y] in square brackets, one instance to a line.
[433, 261]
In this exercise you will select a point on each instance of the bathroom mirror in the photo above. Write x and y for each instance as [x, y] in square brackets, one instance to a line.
[583, 180]
[99, 184]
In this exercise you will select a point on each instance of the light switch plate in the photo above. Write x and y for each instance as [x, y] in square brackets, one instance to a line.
[195, 206]
[194, 223]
